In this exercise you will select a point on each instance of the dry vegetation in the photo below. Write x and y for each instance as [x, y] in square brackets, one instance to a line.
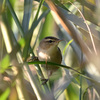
[23, 23]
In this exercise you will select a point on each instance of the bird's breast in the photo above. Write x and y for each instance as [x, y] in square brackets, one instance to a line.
[50, 55]
[43, 56]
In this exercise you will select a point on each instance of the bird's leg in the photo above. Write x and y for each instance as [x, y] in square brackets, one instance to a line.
[44, 81]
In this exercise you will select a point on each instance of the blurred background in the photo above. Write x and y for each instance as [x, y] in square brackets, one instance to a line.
[24, 23]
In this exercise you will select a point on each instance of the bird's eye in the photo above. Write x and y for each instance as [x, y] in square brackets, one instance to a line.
[50, 41]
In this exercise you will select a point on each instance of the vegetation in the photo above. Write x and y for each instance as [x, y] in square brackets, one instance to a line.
[23, 23]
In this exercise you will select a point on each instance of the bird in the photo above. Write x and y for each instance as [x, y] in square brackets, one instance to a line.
[49, 51]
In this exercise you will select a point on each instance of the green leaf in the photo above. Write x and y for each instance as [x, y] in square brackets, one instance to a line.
[67, 46]
[27, 14]
[38, 10]
[5, 94]
[15, 17]
[22, 42]
[4, 63]
[68, 67]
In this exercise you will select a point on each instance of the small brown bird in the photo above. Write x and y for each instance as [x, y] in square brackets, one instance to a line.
[48, 50]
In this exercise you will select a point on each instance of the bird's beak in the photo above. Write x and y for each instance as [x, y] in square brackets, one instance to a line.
[59, 40]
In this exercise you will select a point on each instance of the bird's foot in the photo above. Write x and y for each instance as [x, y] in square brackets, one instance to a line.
[31, 58]
[44, 81]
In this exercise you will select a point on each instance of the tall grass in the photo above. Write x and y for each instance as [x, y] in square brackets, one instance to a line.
[23, 23]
